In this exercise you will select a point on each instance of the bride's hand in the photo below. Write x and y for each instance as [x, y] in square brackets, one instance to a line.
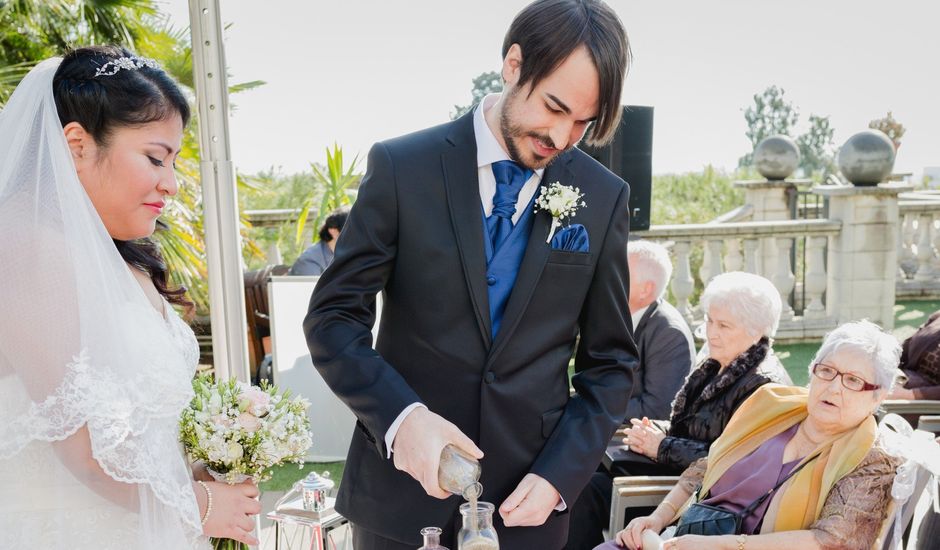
[232, 509]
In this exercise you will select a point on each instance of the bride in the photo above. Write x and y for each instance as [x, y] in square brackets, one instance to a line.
[95, 365]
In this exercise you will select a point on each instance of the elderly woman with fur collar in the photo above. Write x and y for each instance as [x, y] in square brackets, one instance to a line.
[815, 451]
[742, 311]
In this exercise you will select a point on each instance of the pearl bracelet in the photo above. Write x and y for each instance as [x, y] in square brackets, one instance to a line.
[205, 518]
[742, 538]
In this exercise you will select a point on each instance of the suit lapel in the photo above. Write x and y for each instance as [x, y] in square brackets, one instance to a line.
[459, 164]
[533, 262]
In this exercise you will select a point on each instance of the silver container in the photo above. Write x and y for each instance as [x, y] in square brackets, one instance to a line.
[315, 489]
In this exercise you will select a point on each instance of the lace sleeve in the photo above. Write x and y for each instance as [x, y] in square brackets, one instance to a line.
[853, 513]
[692, 477]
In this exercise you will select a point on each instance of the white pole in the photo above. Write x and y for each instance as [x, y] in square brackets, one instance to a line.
[220, 197]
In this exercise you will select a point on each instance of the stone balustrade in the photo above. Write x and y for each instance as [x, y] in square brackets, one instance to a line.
[736, 247]
[849, 266]
[918, 243]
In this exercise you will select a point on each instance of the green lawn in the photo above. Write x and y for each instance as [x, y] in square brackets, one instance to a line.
[285, 476]
[795, 357]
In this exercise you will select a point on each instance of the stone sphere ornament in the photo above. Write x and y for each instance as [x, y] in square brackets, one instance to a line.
[867, 158]
[776, 157]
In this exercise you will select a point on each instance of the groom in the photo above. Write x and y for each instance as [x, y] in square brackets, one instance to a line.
[482, 310]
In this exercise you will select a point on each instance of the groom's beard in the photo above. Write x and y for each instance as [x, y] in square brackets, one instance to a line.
[513, 132]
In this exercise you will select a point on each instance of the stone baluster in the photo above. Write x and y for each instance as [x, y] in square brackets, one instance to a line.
[733, 259]
[935, 246]
[924, 249]
[815, 279]
[711, 261]
[907, 262]
[273, 254]
[750, 255]
[682, 282]
[784, 279]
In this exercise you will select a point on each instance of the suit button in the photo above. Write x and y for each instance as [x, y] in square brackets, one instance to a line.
[489, 377]
[490, 280]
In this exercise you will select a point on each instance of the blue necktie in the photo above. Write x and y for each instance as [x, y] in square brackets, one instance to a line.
[510, 177]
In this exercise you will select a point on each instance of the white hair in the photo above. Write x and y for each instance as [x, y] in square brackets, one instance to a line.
[652, 264]
[866, 338]
[749, 298]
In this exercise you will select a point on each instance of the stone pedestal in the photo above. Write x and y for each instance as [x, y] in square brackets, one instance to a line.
[862, 260]
[770, 200]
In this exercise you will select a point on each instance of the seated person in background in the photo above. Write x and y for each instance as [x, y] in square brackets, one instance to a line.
[920, 362]
[742, 312]
[318, 257]
[820, 442]
[662, 336]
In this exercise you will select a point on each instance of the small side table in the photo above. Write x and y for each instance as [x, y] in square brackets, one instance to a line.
[308, 533]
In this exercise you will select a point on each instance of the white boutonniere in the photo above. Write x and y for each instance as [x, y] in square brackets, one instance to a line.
[561, 201]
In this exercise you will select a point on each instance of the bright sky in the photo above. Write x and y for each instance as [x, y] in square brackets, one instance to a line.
[358, 71]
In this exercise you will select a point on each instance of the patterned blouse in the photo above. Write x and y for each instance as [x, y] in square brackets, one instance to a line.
[852, 515]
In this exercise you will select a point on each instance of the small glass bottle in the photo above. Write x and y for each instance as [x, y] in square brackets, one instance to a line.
[477, 532]
[432, 539]
[458, 472]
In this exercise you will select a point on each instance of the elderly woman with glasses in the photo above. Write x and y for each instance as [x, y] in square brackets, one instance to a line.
[814, 451]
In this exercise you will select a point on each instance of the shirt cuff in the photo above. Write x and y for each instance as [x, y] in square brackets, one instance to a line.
[393, 429]
[561, 505]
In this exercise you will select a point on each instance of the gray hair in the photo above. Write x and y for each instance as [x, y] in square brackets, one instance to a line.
[867, 338]
[655, 262]
[748, 297]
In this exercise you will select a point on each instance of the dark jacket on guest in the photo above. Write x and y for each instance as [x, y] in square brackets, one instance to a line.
[667, 355]
[709, 398]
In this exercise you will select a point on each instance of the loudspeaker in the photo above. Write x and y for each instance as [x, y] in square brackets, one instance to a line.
[630, 156]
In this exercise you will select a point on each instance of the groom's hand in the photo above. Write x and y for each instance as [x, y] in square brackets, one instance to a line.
[418, 443]
[530, 504]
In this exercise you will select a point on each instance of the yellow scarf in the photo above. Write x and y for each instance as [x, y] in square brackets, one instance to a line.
[769, 411]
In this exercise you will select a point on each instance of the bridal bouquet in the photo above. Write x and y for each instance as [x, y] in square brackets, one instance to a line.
[240, 431]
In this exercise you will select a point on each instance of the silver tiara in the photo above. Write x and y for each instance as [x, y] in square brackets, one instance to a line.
[128, 63]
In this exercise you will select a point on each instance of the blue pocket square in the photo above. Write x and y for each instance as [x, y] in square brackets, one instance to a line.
[573, 238]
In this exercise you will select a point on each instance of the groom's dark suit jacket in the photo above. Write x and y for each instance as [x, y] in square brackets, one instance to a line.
[416, 232]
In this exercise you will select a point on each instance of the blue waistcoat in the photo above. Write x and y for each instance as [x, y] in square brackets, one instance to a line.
[503, 266]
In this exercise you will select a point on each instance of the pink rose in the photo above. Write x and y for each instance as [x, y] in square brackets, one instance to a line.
[258, 400]
[249, 422]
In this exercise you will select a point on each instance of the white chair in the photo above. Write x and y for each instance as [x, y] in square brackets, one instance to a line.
[636, 492]
[920, 469]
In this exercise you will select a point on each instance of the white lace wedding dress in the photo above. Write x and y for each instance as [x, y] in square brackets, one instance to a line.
[44, 505]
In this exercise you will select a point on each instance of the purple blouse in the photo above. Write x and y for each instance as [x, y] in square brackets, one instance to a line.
[751, 477]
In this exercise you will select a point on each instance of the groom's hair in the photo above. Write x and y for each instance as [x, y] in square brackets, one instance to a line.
[548, 31]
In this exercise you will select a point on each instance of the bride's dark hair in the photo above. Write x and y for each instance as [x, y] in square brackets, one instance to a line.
[129, 97]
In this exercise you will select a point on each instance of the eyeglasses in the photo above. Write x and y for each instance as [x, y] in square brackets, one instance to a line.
[849, 381]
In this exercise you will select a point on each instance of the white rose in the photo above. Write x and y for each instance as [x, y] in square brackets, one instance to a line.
[235, 452]
[215, 404]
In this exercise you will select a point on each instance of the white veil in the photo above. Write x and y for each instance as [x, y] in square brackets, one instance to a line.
[89, 373]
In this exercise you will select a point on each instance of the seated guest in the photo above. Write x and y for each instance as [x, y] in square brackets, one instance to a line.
[662, 336]
[742, 312]
[920, 362]
[318, 257]
[815, 452]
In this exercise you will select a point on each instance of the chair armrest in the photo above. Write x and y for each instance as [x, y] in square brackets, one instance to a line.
[911, 406]
[633, 481]
[634, 492]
